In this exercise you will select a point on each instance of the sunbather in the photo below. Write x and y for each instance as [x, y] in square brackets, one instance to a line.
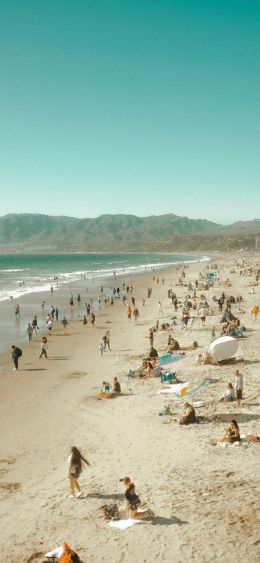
[188, 416]
[232, 433]
[105, 387]
[229, 394]
[116, 386]
[133, 501]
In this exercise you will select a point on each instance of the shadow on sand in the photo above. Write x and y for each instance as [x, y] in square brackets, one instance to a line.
[162, 521]
[107, 497]
[238, 416]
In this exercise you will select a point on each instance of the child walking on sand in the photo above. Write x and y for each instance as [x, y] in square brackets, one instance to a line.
[43, 348]
[75, 469]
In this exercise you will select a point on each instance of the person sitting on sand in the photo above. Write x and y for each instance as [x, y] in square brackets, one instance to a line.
[188, 416]
[133, 501]
[105, 390]
[199, 359]
[117, 386]
[173, 345]
[229, 394]
[75, 469]
[147, 371]
[232, 433]
[153, 353]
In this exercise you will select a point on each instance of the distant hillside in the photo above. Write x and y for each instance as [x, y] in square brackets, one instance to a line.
[33, 232]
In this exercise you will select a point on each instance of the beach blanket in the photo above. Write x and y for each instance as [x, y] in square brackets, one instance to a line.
[184, 390]
[241, 444]
[168, 359]
[175, 388]
[123, 524]
[193, 389]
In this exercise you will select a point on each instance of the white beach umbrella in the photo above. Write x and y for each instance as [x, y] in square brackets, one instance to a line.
[223, 348]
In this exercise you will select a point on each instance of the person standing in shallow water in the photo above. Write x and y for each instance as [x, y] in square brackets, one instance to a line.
[29, 332]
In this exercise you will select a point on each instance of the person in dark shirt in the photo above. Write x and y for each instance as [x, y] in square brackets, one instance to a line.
[116, 386]
[153, 353]
[134, 502]
[16, 353]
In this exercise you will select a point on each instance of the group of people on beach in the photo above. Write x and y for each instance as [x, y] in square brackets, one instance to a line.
[147, 369]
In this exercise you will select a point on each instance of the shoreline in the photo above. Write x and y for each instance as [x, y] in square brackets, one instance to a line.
[31, 300]
[47, 406]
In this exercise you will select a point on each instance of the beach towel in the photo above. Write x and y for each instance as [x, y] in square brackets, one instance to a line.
[184, 390]
[168, 359]
[241, 444]
[124, 524]
[192, 389]
[175, 388]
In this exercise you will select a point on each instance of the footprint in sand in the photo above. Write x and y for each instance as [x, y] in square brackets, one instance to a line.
[10, 486]
[76, 375]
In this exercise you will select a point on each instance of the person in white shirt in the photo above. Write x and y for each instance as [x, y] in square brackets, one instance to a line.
[229, 394]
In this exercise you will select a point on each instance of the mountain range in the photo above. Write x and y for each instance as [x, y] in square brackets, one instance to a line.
[115, 233]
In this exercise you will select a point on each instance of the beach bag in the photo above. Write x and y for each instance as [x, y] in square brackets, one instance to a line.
[19, 352]
[110, 511]
[167, 377]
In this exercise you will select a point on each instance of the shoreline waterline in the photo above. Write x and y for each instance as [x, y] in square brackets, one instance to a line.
[13, 329]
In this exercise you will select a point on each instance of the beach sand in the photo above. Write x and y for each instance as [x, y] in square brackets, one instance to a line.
[205, 499]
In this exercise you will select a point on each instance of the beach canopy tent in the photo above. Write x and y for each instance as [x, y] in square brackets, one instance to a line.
[211, 275]
[227, 317]
[223, 348]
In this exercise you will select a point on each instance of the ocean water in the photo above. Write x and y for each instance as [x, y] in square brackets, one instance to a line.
[32, 273]
[27, 279]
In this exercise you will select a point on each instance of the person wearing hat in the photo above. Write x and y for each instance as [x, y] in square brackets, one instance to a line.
[239, 386]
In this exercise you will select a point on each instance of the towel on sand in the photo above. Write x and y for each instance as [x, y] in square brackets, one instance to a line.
[123, 524]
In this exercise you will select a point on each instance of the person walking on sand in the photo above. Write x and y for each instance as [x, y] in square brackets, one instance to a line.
[202, 314]
[136, 314]
[43, 348]
[255, 311]
[92, 320]
[106, 340]
[239, 385]
[75, 470]
[29, 332]
[64, 324]
[160, 311]
[16, 354]
[129, 312]
[101, 347]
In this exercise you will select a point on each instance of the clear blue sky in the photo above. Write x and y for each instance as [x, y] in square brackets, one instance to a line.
[142, 107]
